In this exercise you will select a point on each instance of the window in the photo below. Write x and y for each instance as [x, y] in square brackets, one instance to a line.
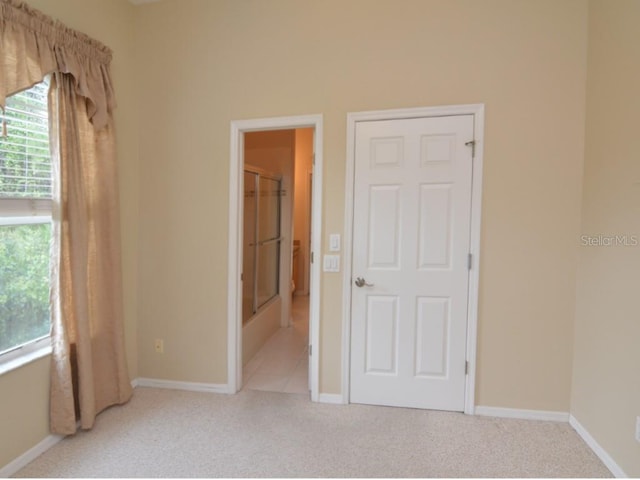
[25, 223]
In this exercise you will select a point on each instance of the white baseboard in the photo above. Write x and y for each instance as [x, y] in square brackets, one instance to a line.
[175, 385]
[334, 398]
[543, 415]
[29, 456]
[609, 462]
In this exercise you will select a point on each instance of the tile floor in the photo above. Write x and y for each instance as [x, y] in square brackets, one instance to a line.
[282, 364]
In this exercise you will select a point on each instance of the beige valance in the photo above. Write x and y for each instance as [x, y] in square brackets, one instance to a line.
[34, 45]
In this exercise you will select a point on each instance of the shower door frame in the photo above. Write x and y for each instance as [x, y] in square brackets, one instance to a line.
[260, 173]
[235, 245]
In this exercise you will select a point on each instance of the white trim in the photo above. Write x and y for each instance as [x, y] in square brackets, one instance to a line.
[25, 354]
[332, 398]
[29, 456]
[474, 249]
[175, 385]
[348, 253]
[602, 454]
[234, 268]
[543, 415]
[477, 110]
[316, 245]
[236, 199]
[31, 220]
[24, 211]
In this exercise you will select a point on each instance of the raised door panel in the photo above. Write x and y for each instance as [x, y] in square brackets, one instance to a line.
[432, 336]
[381, 335]
[384, 223]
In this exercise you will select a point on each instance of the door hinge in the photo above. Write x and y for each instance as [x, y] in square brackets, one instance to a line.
[466, 367]
[310, 349]
[472, 144]
[311, 257]
[469, 261]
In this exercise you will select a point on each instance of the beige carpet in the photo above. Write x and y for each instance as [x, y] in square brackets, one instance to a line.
[166, 433]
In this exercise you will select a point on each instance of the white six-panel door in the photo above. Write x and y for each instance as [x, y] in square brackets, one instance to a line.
[412, 211]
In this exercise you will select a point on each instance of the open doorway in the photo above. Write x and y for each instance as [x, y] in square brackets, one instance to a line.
[274, 230]
[275, 306]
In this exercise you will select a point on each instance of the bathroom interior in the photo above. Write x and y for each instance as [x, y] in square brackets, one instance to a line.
[278, 170]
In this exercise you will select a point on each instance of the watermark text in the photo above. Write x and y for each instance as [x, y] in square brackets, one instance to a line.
[601, 240]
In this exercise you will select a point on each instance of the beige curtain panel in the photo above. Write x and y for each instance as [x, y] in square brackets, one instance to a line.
[34, 45]
[88, 367]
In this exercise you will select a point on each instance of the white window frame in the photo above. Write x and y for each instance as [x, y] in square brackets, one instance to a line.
[36, 212]
[25, 354]
[38, 347]
[25, 211]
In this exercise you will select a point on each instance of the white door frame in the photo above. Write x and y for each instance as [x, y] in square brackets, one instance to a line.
[477, 110]
[236, 207]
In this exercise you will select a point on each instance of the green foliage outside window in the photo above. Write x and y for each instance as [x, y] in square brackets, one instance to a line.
[24, 283]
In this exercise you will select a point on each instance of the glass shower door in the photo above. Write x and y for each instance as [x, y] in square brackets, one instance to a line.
[261, 256]
[268, 254]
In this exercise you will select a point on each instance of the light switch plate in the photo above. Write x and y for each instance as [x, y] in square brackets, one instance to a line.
[331, 263]
[334, 242]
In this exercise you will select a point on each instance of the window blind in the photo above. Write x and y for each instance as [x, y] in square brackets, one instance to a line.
[25, 159]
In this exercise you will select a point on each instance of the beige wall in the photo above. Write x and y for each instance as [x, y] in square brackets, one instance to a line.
[204, 63]
[606, 379]
[271, 151]
[302, 205]
[24, 402]
[24, 409]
